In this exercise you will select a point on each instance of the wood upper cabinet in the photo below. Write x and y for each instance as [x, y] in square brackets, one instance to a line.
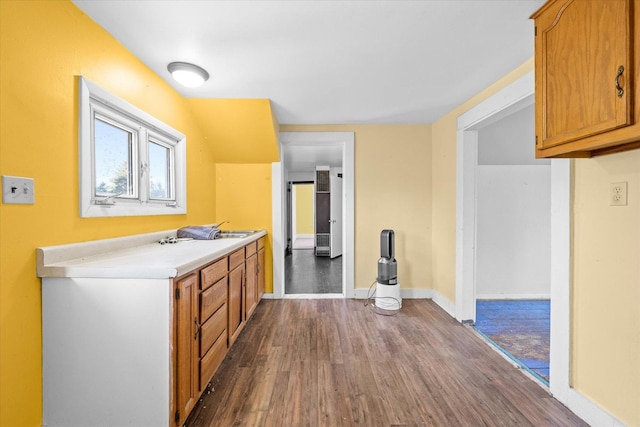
[187, 355]
[586, 66]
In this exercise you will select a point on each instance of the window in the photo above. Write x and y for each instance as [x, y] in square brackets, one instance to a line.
[130, 163]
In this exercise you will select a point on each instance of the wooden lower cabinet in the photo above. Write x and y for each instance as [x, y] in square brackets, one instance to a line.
[212, 305]
[236, 302]
[152, 344]
[200, 320]
[186, 349]
[212, 360]
[251, 287]
[261, 262]
[255, 275]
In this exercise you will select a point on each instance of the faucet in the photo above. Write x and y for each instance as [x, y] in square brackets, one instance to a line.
[218, 225]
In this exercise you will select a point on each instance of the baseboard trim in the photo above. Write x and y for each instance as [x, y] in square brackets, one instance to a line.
[589, 411]
[304, 236]
[512, 296]
[444, 303]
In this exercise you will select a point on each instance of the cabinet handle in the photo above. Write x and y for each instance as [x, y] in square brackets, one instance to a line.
[198, 327]
[618, 87]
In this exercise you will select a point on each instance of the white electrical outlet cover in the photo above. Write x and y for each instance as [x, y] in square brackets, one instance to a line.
[618, 194]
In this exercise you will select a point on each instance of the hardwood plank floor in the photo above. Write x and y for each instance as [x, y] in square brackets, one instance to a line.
[336, 363]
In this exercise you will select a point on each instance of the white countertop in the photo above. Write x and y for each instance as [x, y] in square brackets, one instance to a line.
[138, 256]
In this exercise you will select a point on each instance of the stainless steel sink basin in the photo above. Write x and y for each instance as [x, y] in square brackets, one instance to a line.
[235, 234]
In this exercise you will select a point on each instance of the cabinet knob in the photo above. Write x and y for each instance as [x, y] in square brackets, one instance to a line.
[618, 87]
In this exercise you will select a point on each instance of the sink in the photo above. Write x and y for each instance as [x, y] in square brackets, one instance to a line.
[234, 234]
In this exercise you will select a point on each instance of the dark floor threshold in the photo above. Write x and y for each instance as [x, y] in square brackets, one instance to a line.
[509, 355]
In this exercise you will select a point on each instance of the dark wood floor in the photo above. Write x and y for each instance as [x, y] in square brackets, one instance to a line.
[336, 363]
[306, 273]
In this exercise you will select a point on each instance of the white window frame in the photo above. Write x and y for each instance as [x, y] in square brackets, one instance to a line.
[94, 99]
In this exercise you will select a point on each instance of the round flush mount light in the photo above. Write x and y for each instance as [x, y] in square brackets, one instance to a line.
[187, 74]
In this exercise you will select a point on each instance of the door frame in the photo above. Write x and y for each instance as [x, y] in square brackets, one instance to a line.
[509, 100]
[346, 140]
[334, 178]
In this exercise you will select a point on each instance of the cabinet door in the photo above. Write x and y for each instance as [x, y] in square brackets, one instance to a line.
[236, 302]
[580, 47]
[186, 348]
[251, 286]
[261, 261]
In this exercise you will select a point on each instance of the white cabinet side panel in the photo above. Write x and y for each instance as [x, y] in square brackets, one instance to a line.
[106, 352]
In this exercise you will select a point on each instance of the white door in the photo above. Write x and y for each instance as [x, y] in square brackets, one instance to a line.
[335, 217]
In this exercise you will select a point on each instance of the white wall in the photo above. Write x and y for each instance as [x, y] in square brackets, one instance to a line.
[510, 141]
[513, 233]
[513, 211]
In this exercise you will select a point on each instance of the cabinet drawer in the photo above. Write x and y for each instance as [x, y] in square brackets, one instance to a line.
[261, 243]
[212, 360]
[212, 273]
[236, 258]
[213, 298]
[250, 249]
[213, 329]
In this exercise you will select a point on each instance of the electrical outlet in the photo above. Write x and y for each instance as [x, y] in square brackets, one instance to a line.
[618, 194]
[17, 190]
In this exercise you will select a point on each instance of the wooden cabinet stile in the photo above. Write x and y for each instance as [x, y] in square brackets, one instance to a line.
[186, 349]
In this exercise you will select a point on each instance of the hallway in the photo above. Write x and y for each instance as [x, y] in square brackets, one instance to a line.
[306, 273]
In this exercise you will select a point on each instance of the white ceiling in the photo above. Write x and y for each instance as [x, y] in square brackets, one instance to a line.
[330, 61]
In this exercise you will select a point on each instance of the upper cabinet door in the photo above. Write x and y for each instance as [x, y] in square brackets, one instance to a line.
[584, 69]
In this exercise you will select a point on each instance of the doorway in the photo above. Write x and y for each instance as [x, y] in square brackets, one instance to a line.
[308, 270]
[302, 215]
[509, 100]
[513, 239]
[300, 153]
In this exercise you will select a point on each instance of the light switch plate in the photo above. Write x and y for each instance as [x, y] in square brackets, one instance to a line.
[17, 190]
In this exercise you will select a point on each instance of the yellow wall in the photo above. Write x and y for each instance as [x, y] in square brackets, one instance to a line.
[243, 197]
[444, 185]
[238, 130]
[304, 208]
[44, 45]
[392, 190]
[606, 285]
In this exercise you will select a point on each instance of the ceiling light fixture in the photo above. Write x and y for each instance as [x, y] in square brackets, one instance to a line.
[187, 74]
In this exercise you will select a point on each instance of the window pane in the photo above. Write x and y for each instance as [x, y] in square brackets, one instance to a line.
[159, 171]
[113, 157]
